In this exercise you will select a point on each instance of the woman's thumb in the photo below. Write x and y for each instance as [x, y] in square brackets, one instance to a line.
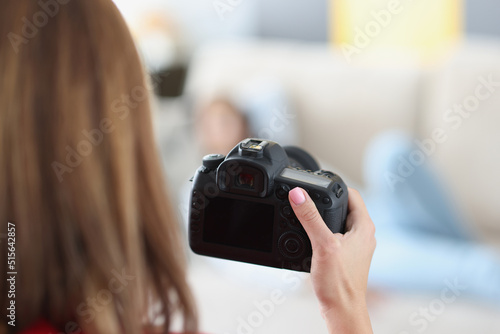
[308, 215]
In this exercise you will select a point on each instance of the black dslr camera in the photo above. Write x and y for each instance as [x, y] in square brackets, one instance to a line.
[240, 210]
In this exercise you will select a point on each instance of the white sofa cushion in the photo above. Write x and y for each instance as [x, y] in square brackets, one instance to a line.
[469, 159]
[340, 106]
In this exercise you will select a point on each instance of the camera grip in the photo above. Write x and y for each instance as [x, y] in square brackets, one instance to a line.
[335, 218]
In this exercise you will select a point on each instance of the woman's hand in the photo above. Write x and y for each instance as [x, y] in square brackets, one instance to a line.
[340, 262]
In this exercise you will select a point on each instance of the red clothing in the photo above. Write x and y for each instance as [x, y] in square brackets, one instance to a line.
[43, 327]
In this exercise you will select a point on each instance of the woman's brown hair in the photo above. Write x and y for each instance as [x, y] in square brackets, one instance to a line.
[97, 242]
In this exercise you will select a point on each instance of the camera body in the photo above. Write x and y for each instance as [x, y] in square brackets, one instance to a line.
[240, 210]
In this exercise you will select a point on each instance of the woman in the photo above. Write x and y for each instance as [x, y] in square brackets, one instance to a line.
[97, 246]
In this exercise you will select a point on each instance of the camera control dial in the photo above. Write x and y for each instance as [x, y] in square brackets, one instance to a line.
[292, 245]
[212, 161]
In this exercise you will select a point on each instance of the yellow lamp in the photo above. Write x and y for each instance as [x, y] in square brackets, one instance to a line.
[423, 27]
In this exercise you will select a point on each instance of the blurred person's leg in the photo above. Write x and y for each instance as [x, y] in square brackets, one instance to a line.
[422, 242]
[405, 261]
[419, 201]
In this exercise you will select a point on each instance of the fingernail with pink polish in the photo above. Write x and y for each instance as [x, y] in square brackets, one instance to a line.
[297, 196]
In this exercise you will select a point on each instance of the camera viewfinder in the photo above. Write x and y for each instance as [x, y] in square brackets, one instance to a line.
[246, 180]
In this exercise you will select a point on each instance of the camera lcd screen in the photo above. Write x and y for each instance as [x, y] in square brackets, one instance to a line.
[305, 177]
[239, 223]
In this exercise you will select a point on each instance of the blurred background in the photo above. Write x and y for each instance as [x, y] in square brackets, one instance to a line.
[401, 98]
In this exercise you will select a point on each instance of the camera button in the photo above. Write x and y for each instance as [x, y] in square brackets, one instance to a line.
[326, 173]
[315, 196]
[326, 200]
[282, 191]
[337, 190]
[294, 222]
[195, 228]
[292, 245]
[195, 216]
[211, 162]
[287, 211]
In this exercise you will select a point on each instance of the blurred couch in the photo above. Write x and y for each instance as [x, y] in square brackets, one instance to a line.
[340, 107]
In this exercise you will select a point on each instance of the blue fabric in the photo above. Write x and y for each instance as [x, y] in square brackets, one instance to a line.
[422, 242]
